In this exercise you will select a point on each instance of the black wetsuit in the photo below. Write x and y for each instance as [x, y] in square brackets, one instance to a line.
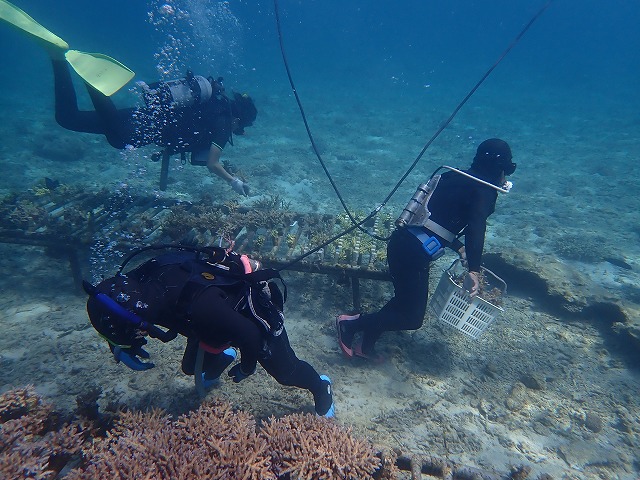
[207, 314]
[458, 203]
[191, 129]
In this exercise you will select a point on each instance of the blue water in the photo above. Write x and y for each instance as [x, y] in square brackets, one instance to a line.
[376, 79]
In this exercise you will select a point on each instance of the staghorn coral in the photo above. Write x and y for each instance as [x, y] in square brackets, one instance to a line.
[488, 291]
[307, 447]
[215, 441]
[200, 217]
[273, 218]
[23, 414]
[33, 444]
[272, 202]
[212, 442]
[225, 221]
[358, 247]
[18, 403]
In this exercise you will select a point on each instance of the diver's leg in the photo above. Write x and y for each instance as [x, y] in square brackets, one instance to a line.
[409, 269]
[122, 127]
[66, 103]
[189, 356]
[213, 363]
[116, 125]
[283, 365]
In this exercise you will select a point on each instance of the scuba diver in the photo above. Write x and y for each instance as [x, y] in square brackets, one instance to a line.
[190, 115]
[442, 210]
[217, 299]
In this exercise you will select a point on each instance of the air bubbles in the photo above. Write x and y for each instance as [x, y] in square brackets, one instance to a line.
[197, 34]
[166, 10]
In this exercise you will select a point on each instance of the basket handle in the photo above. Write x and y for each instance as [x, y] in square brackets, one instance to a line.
[457, 260]
[504, 289]
[486, 270]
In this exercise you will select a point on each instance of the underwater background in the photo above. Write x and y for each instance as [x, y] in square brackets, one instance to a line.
[376, 80]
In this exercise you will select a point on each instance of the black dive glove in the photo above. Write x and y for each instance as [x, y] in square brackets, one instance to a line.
[237, 374]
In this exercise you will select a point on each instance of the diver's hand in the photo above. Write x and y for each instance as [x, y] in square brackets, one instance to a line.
[237, 374]
[239, 186]
[472, 283]
[129, 356]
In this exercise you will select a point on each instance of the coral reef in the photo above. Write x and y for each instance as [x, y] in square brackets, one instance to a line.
[58, 216]
[56, 209]
[201, 217]
[22, 214]
[212, 442]
[581, 247]
[34, 443]
[226, 220]
[307, 447]
[215, 441]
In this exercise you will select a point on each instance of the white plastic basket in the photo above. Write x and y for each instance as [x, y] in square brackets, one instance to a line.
[453, 306]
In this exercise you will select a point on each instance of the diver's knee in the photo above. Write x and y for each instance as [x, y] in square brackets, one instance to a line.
[414, 321]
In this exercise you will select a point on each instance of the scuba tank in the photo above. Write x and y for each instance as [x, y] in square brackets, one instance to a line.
[416, 215]
[181, 92]
[416, 211]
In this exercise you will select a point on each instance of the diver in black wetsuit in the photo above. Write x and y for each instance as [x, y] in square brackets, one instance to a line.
[459, 206]
[202, 128]
[190, 115]
[214, 299]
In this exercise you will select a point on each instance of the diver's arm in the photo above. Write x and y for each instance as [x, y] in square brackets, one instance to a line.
[214, 165]
[472, 256]
[458, 246]
[482, 206]
[474, 242]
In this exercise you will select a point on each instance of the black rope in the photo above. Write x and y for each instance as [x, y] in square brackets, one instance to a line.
[464, 100]
[445, 124]
[306, 123]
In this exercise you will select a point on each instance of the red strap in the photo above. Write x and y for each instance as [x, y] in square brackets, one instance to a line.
[213, 350]
[246, 263]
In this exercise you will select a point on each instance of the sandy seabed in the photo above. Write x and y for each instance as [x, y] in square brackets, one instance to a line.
[534, 389]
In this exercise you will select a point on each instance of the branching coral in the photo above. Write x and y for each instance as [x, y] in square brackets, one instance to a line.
[23, 214]
[182, 219]
[307, 447]
[20, 402]
[32, 443]
[212, 442]
[215, 441]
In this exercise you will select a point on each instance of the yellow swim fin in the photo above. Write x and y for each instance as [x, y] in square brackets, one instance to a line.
[102, 72]
[19, 19]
